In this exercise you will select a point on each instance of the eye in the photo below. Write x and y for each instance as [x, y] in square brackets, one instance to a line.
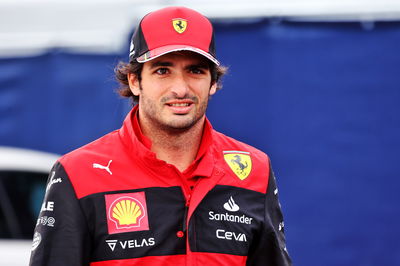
[161, 71]
[197, 70]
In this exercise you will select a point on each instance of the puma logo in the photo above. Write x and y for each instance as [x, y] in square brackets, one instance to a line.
[107, 168]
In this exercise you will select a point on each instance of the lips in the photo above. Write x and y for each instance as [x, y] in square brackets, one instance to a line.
[179, 104]
[180, 107]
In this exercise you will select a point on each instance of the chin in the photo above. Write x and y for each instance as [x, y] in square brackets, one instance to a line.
[181, 124]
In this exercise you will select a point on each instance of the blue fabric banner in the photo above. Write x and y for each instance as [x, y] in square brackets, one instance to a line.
[322, 99]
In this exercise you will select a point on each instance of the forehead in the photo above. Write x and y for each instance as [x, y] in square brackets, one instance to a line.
[186, 57]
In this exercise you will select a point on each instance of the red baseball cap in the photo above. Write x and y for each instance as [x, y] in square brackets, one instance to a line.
[172, 29]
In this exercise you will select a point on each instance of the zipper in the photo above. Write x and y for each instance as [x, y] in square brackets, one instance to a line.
[187, 192]
[185, 215]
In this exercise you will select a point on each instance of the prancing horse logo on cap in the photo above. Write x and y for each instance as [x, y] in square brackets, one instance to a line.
[179, 24]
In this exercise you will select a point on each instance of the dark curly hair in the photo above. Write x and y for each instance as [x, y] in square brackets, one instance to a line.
[123, 69]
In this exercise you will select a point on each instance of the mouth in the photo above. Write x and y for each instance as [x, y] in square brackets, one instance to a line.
[181, 107]
[178, 104]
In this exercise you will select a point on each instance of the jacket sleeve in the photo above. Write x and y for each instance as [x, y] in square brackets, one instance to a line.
[269, 247]
[61, 236]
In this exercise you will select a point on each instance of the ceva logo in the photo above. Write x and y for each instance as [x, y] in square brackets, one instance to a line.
[126, 212]
[222, 234]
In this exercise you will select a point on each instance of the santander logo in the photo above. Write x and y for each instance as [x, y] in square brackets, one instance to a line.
[231, 205]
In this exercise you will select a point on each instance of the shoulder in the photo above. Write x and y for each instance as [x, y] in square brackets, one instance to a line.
[93, 164]
[225, 143]
[97, 149]
[243, 164]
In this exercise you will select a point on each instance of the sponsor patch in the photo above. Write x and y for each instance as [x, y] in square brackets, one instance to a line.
[126, 212]
[37, 238]
[132, 49]
[103, 167]
[47, 206]
[179, 25]
[130, 244]
[53, 181]
[112, 244]
[239, 162]
[231, 205]
[46, 220]
[231, 236]
[243, 219]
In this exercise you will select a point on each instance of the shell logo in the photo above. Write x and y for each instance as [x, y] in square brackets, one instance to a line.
[126, 212]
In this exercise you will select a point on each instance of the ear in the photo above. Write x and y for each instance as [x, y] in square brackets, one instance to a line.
[134, 84]
[213, 89]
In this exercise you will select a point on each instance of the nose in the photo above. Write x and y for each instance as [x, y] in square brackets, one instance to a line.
[180, 86]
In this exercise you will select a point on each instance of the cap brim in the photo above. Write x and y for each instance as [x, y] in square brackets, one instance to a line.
[160, 51]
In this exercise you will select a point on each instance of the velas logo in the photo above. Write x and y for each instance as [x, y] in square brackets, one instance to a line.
[126, 212]
[179, 25]
[239, 162]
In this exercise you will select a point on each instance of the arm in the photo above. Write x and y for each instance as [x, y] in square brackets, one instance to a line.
[269, 248]
[61, 236]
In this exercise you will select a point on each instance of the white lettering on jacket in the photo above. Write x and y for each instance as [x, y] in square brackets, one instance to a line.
[222, 234]
[53, 181]
[243, 219]
[47, 206]
[133, 243]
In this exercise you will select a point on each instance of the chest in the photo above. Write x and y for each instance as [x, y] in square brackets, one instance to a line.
[156, 221]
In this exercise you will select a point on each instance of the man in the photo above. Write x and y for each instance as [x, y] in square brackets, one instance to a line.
[165, 189]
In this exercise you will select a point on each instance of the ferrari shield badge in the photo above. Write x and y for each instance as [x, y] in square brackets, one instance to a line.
[179, 25]
[239, 162]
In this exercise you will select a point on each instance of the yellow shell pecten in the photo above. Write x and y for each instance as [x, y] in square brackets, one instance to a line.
[127, 212]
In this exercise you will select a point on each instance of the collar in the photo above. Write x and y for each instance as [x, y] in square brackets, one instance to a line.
[139, 145]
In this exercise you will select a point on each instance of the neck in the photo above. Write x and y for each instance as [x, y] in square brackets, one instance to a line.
[176, 147]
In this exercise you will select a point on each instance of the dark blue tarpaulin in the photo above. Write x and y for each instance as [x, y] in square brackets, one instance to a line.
[322, 99]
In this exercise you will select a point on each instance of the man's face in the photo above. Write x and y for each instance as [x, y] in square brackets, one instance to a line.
[174, 91]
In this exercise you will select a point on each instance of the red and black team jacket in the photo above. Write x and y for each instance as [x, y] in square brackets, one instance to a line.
[112, 202]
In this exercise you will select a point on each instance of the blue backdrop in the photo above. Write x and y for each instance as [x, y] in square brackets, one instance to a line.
[322, 99]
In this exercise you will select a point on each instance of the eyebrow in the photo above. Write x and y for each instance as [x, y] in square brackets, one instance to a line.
[160, 63]
[167, 64]
[199, 65]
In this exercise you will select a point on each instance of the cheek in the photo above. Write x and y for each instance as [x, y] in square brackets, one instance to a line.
[149, 91]
[202, 87]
